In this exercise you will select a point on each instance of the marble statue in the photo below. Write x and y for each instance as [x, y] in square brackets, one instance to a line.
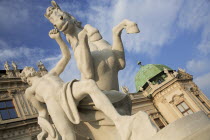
[49, 94]
[14, 65]
[41, 66]
[100, 62]
[96, 58]
[6, 66]
[59, 103]
[125, 89]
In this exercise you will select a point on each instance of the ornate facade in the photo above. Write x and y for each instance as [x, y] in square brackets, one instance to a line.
[167, 95]
[164, 94]
[18, 118]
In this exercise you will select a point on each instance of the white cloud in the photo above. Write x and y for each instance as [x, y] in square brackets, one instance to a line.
[203, 82]
[197, 66]
[204, 46]
[19, 54]
[194, 16]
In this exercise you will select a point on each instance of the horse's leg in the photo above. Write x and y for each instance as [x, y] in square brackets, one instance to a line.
[83, 56]
[130, 26]
[93, 33]
[117, 47]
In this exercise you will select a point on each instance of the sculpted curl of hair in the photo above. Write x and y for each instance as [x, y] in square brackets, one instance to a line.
[28, 72]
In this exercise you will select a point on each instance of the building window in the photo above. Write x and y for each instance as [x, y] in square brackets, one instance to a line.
[160, 80]
[202, 101]
[7, 110]
[184, 108]
[159, 123]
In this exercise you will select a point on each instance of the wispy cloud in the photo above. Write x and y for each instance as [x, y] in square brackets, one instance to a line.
[194, 16]
[19, 54]
[198, 66]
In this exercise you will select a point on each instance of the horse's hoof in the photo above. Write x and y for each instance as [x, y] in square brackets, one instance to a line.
[133, 28]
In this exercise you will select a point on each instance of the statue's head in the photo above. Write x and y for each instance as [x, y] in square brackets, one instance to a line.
[27, 73]
[63, 21]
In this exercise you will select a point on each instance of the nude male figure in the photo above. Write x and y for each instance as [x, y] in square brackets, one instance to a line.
[49, 92]
[96, 59]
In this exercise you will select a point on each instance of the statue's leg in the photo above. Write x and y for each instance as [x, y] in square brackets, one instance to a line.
[89, 87]
[62, 123]
[126, 125]
[83, 56]
[130, 26]
[93, 33]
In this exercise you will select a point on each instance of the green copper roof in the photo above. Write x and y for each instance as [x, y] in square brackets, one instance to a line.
[147, 72]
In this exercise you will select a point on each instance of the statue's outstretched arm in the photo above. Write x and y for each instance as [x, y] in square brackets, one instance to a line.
[60, 66]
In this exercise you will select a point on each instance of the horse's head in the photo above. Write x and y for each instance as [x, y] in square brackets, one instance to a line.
[63, 21]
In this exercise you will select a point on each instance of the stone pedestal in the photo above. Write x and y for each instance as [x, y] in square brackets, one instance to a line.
[192, 127]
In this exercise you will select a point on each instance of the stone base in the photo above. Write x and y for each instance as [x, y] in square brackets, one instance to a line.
[192, 127]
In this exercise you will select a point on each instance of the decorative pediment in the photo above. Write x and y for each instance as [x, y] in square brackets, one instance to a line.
[183, 75]
[176, 99]
[194, 89]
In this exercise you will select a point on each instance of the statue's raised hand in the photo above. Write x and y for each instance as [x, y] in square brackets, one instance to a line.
[54, 34]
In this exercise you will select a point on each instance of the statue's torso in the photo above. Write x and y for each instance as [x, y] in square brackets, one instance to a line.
[48, 88]
[105, 65]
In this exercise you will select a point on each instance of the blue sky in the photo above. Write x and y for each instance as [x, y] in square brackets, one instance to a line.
[175, 33]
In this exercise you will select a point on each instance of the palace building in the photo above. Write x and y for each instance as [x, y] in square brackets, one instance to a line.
[164, 94]
[18, 118]
[167, 95]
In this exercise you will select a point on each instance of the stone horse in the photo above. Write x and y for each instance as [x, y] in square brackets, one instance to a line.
[98, 60]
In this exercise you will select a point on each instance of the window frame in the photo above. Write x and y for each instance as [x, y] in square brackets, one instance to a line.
[184, 108]
[6, 108]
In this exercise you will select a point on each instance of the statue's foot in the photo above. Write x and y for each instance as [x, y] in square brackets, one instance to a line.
[44, 124]
[131, 27]
[42, 136]
[135, 127]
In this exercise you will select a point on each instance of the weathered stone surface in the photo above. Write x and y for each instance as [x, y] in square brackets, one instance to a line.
[191, 127]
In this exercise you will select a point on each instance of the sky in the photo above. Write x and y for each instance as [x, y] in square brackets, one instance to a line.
[175, 33]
